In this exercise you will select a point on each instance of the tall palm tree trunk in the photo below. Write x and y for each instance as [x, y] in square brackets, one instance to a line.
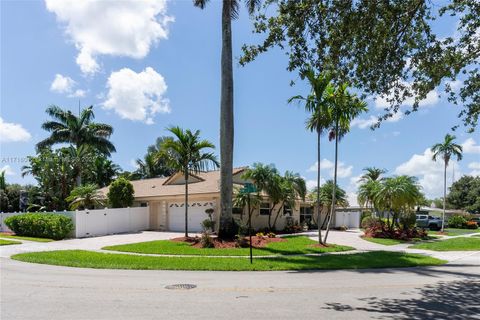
[334, 191]
[226, 124]
[444, 194]
[186, 205]
[318, 189]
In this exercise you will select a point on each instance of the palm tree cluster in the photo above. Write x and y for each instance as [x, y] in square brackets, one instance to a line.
[323, 196]
[281, 191]
[152, 166]
[331, 108]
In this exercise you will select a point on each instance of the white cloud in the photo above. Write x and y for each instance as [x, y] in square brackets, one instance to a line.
[8, 170]
[352, 199]
[431, 99]
[429, 172]
[66, 85]
[470, 146]
[133, 163]
[118, 28]
[13, 132]
[78, 94]
[62, 84]
[396, 133]
[343, 171]
[475, 166]
[137, 96]
[311, 184]
[364, 123]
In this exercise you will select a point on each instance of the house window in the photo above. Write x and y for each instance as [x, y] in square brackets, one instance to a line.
[264, 209]
[287, 211]
[305, 214]
[143, 204]
[237, 210]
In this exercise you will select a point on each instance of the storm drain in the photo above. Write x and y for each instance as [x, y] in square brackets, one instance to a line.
[181, 286]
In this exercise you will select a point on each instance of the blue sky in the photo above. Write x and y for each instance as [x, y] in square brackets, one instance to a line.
[163, 68]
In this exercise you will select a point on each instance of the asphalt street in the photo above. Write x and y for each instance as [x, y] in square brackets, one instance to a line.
[33, 291]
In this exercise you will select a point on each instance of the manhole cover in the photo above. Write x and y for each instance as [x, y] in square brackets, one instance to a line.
[181, 286]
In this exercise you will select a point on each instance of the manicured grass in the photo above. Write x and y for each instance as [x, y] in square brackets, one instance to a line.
[98, 260]
[456, 232]
[455, 244]
[384, 241]
[476, 235]
[293, 245]
[8, 242]
[9, 236]
[392, 242]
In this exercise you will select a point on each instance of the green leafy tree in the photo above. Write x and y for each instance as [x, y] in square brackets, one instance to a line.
[3, 183]
[230, 10]
[465, 194]
[85, 197]
[78, 131]
[185, 153]
[446, 150]
[317, 103]
[120, 193]
[369, 184]
[344, 108]
[382, 48]
[152, 166]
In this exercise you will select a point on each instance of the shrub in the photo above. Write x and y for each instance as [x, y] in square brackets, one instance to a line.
[208, 225]
[241, 242]
[120, 193]
[206, 241]
[240, 227]
[370, 222]
[271, 235]
[457, 221]
[408, 220]
[40, 225]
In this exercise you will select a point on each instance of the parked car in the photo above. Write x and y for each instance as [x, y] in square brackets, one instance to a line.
[430, 222]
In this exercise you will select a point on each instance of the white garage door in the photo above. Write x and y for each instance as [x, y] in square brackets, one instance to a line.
[196, 214]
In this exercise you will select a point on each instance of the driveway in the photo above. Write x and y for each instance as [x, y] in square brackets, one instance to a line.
[94, 243]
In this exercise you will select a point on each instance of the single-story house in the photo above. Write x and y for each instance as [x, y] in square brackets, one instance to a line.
[165, 198]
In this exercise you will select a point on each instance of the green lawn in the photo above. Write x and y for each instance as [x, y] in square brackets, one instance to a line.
[455, 244]
[456, 232]
[9, 236]
[293, 245]
[8, 242]
[392, 242]
[98, 260]
[476, 235]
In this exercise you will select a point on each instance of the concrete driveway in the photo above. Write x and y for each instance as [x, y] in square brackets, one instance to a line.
[94, 243]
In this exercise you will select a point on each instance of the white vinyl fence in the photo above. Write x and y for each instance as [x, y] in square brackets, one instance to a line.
[100, 222]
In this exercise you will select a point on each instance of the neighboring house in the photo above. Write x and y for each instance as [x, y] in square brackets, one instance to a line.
[165, 198]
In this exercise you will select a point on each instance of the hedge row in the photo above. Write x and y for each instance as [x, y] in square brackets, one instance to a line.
[40, 225]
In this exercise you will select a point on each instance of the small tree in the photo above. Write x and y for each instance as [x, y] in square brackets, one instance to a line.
[86, 196]
[120, 193]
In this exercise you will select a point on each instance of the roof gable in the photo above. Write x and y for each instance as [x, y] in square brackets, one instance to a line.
[179, 179]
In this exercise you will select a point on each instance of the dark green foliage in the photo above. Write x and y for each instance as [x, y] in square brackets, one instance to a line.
[369, 222]
[465, 194]
[206, 241]
[120, 193]
[41, 225]
[153, 166]
[457, 221]
[380, 47]
[408, 220]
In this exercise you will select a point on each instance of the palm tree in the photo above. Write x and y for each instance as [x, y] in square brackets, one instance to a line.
[370, 180]
[267, 179]
[230, 10]
[397, 195]
[325, 197]
[447, 149]
[291, 187]
[151, 166]
[317, 103]
[185, 154]
[86, 196]
[78, 131]
[344, 109]
[372, 174]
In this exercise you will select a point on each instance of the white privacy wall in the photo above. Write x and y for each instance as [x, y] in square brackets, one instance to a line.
[91, 223]
[349, 219]
[100, 222]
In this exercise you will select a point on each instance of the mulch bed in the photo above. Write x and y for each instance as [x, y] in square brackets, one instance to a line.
[257, 242]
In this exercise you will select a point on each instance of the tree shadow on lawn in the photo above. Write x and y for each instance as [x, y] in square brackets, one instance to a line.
[444, 300]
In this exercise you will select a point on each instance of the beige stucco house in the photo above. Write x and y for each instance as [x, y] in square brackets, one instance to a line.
[165, 199]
